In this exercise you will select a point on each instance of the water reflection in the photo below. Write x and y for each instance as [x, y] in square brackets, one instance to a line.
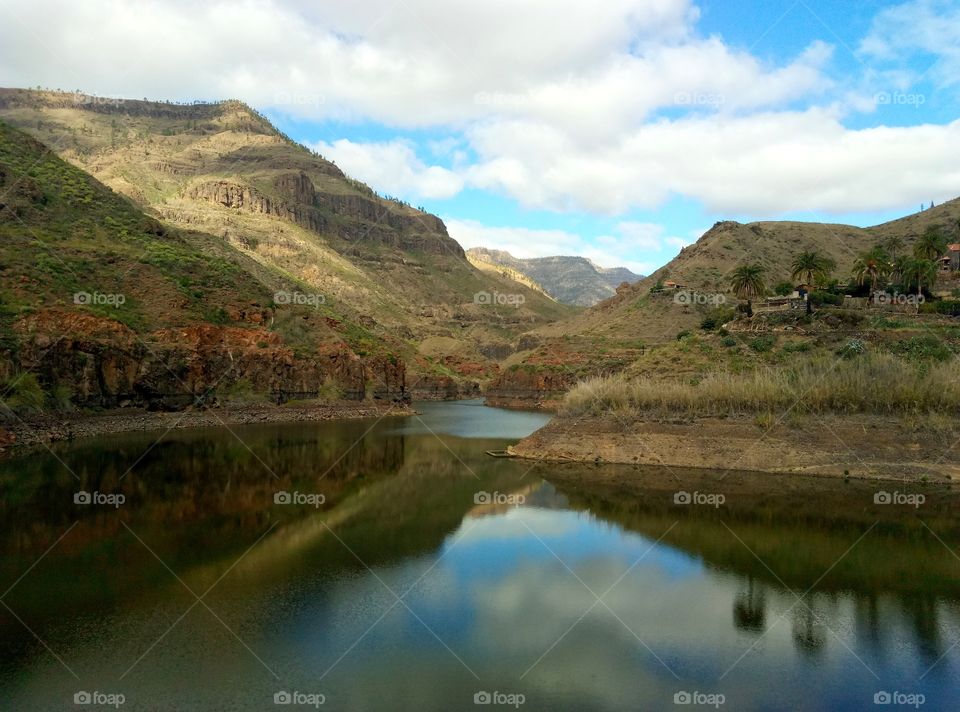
[405, 591]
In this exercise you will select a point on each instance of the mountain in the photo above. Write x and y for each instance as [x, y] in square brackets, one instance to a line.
[381, 268]
[103, 305]
[705, 267]
[614, 333]
[570, 280]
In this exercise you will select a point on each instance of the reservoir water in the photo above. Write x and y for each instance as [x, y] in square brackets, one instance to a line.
[393, 565]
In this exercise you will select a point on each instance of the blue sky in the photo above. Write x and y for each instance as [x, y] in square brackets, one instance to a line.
[620, 131]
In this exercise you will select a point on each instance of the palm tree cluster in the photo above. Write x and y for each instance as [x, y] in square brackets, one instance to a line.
[887, 262]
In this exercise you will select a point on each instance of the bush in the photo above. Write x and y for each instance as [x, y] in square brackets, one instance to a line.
[717, 317]
[22, 394]
[242, 392]
[783, 289]
[762, 344]
[923, 348]
[949, 307]
[682, 335]
[796, 347]
[330, 390]
[825, 298]
[852, 349]
[728, 341]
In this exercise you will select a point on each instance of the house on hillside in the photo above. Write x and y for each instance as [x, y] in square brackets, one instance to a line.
[950, 262]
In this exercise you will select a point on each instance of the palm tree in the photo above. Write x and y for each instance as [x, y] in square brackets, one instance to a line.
[747, 283]
[932, 244]
[899, 267]
[873, 266]
[813, 267]
[893, 245]
[919, 272]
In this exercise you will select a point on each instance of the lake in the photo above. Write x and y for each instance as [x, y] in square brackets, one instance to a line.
[392, 564]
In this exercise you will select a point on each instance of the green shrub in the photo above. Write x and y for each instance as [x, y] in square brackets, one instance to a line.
[23, 394]
[826, 298]
[783, 289]
[330, 390]
[852, 349]
[948, 307]
[762, 344]
[682, 335]
[923, 348]
[728, 341]
[717, 317]
[796, 346]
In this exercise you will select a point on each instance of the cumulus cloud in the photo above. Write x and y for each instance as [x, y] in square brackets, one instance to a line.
[759, 164]
[560, 104]
[392, 167]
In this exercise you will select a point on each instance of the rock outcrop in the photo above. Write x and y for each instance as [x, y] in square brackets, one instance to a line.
[102, 363]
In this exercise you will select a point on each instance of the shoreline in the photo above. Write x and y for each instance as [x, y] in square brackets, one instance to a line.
[21, 435]
[855, 447]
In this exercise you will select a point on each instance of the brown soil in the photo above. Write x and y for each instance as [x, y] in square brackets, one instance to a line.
[854, 446]
[45, 429]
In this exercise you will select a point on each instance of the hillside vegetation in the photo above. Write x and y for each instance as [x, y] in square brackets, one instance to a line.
[224, 170]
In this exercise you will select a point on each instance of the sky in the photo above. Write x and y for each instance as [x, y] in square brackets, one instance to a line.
[618, 130]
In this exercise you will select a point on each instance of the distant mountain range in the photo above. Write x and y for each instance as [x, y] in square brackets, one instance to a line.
[569, 280]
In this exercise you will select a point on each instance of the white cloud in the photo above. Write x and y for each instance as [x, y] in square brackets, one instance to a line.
[562, 104]
[927, 28]
[760, 164]
[392, 167]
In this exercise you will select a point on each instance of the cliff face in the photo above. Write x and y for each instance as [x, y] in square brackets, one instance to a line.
[353, 218]
[571, 280]
[105, 364]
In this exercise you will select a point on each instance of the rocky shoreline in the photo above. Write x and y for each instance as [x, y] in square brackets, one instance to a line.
[18, 435]
[864, 447]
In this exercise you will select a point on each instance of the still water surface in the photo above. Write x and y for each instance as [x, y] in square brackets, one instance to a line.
[433, 574]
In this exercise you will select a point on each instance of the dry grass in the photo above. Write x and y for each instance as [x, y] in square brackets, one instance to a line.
[878, 383]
